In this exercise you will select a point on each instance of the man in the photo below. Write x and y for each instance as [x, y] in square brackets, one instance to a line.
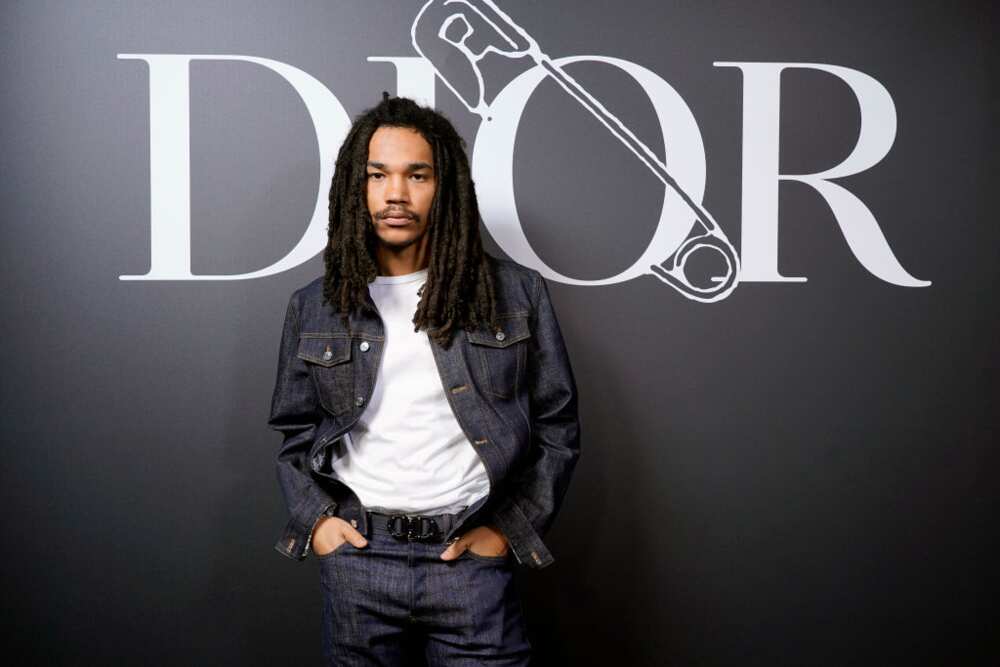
[428, 409]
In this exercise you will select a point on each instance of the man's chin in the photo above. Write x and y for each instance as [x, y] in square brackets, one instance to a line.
[398, 240]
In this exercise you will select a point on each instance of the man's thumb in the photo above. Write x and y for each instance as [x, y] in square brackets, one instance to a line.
[356, 538]
[454, 550]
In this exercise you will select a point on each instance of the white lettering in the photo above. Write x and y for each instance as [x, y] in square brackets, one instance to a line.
[170, 176]
[761, 114]
[493, 161]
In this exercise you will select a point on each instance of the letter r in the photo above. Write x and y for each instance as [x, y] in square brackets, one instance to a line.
[761, 113]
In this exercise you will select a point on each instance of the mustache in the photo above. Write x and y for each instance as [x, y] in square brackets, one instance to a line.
[397, 213]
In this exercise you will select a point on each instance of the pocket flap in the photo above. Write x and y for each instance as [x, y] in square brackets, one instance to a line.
[512, 330]
[324, 350]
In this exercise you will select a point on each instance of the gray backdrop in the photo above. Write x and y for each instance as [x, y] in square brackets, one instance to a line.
[798, 474]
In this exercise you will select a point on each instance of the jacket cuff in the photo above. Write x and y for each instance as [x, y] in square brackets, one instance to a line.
[296, 538]
[524, 541]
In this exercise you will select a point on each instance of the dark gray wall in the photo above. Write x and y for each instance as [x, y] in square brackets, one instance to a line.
[801, 473]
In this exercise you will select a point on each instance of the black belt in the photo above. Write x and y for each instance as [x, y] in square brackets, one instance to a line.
[412, 527]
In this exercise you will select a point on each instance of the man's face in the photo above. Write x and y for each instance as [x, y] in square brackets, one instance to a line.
[400, 185]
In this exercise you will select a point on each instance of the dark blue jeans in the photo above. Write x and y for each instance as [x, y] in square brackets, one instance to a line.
[397, 603]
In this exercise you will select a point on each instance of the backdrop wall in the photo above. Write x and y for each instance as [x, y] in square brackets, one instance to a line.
[794, 467]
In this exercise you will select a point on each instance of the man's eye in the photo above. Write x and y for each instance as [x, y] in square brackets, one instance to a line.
[375, 176]
[420, 177]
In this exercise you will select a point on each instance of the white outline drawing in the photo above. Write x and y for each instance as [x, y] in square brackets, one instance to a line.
[434, 20]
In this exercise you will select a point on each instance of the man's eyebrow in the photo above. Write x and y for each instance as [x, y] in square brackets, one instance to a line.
[413, 166]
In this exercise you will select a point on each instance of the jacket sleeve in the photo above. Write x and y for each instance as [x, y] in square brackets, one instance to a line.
[296, 414]
[533, 497]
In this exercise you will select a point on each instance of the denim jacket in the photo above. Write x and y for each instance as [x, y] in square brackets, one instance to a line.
[512, 391]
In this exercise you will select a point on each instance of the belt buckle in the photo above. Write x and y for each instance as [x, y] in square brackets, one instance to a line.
[410, 528]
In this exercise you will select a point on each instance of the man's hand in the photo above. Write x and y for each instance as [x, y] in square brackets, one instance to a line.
[332, 531]
[488, 541]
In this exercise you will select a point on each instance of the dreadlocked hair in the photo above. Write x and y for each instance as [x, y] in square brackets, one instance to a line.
[459, 290]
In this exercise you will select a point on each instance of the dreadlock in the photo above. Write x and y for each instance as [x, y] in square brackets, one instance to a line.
[459, 291]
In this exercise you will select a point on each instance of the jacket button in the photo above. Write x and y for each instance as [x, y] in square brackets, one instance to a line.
[359, 401]
[500, 335]
[364, 346]
[328, 355]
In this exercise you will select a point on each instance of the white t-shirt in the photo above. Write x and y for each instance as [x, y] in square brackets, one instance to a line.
[408, 452]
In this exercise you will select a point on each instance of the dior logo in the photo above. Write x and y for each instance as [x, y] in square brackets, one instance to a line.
[451, 37]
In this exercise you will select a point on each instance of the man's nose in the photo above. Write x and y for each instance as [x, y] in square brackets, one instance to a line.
[397, 190]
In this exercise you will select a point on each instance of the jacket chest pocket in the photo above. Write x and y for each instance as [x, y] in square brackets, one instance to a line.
[328, 358]
[502, 355]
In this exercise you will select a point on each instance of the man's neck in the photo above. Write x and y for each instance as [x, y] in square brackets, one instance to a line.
[399, 263]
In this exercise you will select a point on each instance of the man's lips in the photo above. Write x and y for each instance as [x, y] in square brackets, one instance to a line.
[397, 221]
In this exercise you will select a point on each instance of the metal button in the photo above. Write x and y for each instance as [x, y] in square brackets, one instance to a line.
[354, 523]
[364, 346]
[328, 355]
[501, 335]
[359, 401]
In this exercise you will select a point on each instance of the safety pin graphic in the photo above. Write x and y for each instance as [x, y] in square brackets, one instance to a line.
[498, 34]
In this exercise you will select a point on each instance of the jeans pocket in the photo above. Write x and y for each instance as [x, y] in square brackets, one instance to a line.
[340, 547]
[328, 357]
[497, 560]
[502, 354]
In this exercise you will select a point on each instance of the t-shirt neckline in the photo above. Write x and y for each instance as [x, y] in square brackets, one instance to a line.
[405, 278]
